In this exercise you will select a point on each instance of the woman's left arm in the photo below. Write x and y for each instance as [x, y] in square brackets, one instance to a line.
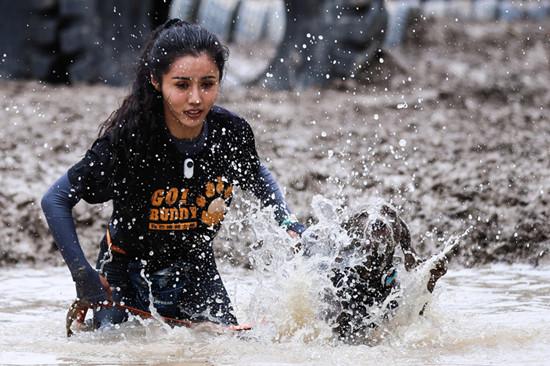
[256, 178]
[268, 192]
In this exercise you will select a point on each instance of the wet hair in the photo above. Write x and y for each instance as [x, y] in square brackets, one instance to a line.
[180, 38]
[141, 114]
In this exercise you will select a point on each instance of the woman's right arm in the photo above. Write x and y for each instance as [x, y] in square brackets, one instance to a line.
[89, 179]
[57, 205]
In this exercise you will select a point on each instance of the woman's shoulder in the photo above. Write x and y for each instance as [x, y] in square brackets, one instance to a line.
[101, 145]
[117, 143]
[106, 149]
[228, 120]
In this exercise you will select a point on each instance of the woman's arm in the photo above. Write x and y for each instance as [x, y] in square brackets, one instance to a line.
[57, 205]
[253, 176]
[268, 192]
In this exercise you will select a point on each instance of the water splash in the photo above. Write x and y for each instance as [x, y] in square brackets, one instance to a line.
[413, 296]
[295, 298]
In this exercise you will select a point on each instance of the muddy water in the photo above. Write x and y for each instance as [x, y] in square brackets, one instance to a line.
[483, 316]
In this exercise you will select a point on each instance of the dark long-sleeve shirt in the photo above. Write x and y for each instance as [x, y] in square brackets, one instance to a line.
[65, 193]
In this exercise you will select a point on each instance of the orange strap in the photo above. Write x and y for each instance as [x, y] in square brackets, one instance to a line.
[171, 321]
[147, 315]
[112, 247]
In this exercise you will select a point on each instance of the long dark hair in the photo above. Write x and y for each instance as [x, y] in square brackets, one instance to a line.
[130, 127]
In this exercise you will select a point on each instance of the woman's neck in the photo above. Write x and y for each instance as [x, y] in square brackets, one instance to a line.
[183, 132]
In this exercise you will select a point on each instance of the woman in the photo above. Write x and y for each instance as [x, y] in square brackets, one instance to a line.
[168, 158]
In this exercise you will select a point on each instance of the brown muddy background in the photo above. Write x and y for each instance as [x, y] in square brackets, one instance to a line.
[453, 129]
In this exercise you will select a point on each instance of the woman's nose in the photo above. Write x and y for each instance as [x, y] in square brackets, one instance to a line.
[194, 95]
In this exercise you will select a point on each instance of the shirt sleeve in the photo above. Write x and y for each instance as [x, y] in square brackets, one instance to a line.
[92, 177]
[246, 161]
[268, 192]
[57, 204]
[256, 178]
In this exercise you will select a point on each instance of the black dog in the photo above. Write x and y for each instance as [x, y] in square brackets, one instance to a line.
[364, 273]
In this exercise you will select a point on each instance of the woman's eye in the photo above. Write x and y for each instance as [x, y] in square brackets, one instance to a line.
[182, 86]
[207, 86]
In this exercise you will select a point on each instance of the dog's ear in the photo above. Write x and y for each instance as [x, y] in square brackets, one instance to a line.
[356, 224]
[404, 238]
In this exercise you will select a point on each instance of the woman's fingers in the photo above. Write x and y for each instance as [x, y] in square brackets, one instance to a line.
[81, 314]
[293, 234]
[77, 311]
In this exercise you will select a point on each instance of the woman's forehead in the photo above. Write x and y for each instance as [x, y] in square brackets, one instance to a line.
[193, 66]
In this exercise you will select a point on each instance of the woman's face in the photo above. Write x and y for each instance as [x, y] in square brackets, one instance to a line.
[189, 89]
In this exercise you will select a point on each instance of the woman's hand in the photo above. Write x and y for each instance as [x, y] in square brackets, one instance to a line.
[293, 234]
[297, 246]
[91, 287]
[83, 303]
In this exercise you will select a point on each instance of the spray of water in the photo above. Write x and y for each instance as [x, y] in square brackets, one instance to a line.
[295, 298]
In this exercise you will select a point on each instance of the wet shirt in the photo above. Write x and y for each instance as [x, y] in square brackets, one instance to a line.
[163, 209]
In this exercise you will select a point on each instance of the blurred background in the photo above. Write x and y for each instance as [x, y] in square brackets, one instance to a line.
[439, 107]
[96, 41]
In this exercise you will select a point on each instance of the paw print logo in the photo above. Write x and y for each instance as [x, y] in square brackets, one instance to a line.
[214, 201]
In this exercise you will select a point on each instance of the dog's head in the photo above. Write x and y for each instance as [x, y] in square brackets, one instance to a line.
[375, 232]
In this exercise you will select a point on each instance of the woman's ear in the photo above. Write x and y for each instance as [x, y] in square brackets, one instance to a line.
[155, 83]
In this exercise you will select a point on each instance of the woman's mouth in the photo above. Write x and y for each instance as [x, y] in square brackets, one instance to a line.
[193, 113]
